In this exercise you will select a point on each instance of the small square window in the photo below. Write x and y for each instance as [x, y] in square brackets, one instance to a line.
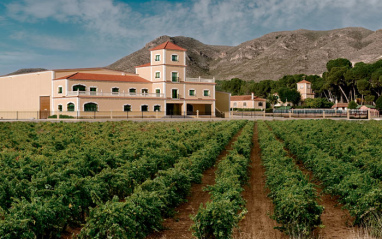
[157, 74]
[174, 58]
[192, 92]
[157, 57]
[206, 93]
[245, 104]
[60, 90]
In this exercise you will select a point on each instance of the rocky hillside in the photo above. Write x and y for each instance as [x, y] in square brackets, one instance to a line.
[270, 56]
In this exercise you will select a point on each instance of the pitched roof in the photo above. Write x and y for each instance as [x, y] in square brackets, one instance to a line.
[304, 81]
[246, 97]
[104, 77]
[169, 46]
[340, 105]
[147, 64]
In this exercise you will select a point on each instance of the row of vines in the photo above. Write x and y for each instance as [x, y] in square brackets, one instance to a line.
[218, 218]
[293, 196]
[117, 178]
[346, 157]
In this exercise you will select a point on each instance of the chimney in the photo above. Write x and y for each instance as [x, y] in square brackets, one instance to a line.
[252, 95]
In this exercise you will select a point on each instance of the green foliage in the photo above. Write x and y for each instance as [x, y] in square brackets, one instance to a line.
[52, 173]
[317, 103]
[61, 117]
[352, 105]
[294, 198]
[340, 62]
[378, 104]
[219, 217]
[289, 95]
[344, 156]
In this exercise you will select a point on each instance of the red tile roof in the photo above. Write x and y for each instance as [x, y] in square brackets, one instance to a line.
[169, 46]
[246, 97]
[144, 65]
[104, 77]
[304, 81]
[341, 105]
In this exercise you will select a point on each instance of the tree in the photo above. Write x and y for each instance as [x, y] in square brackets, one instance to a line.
[378, 103]
[272, 99]
[340, 62]
[289, 95]
[352, 105]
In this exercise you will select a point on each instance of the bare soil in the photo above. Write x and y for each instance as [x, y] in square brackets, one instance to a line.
[257, 222]
[178, 227]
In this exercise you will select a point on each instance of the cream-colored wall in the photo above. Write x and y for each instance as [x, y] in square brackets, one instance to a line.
[222, 101]
[22, 92]
[56, 84]
[157, 52]
[106, 86]
[179, 69]
[62, 73]
[108, 104]
[144, 72]
[179, 86]
[199, 91]
[305, 90]
[251, 104]
[180, 54]
[155, 69]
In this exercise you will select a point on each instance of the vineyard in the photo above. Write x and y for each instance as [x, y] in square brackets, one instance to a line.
[124, 179]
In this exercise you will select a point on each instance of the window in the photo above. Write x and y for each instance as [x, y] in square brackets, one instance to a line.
[145, 91]
[59, 108]
[206, 93]
[175, 77]
[157, 92]
[127, 108]
[174, 58]
[70, 107]
[157, 57]
[156, 107]
[192, 93]
[175, 94]
[93, 90]
[234, 104]
[260, 104]
[60, 90]
[144, 108]
[157, 74]
[115, 91]
[301, 86]
[245, 104]
[132, 91]
[308, 86]
[79, 88]
[90, 107]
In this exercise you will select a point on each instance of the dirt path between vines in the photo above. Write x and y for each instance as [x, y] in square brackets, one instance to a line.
[257, 223]
[178, 226]
[337, 221]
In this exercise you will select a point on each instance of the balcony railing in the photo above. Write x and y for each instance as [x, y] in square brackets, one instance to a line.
[202, 80]
[114, 94]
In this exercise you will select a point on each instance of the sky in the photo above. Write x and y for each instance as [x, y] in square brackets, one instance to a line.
[57, 34]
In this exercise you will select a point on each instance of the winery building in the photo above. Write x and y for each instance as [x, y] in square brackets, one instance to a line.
[158, 87]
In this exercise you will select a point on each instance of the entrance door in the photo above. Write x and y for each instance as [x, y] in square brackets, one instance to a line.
[44, 107]
[190, 109]
[173, 109]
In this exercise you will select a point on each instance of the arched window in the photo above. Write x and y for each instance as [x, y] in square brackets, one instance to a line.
[59, 108]
[144, 108]
[70, 107]
[115, 90]
[260, 104]
[90, 107]
[79, 88]
[127, 108]
[156, 107]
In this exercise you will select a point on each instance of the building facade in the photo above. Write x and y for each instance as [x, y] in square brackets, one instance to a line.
[305, 89]
[160, 87]
[248, 102]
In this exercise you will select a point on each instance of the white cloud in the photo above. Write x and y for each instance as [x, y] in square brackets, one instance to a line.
[211, 21]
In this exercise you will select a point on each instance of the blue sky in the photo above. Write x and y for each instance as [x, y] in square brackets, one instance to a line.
[90, 33]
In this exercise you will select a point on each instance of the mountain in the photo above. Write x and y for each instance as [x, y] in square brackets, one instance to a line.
[270, 56]
[27, 70]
